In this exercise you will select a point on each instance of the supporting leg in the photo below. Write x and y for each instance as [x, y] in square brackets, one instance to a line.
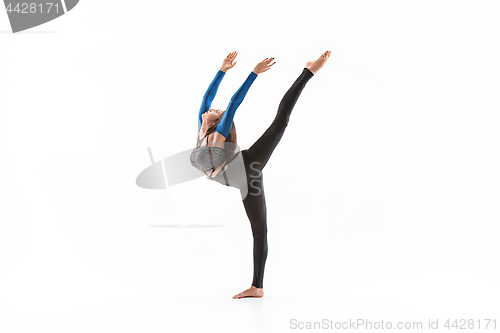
[255, 207]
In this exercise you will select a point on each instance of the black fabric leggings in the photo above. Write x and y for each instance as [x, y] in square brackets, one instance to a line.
[255, 159]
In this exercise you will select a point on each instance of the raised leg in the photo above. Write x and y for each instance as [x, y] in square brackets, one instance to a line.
[262, 149]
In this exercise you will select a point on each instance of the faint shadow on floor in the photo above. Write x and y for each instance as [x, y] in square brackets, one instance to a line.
[186, 226]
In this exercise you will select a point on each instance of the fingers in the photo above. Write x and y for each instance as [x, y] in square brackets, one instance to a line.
[232, 55]
[267, 64]
[267, 60]
[269, 67]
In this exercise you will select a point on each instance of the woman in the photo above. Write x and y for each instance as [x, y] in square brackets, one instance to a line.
[218, 155]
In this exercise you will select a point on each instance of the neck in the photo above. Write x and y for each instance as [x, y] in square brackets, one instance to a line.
[204, 127]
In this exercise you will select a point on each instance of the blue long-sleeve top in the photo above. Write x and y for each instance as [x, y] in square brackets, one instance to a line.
[227, 119]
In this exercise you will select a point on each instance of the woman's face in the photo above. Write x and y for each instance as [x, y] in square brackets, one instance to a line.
[211, 115]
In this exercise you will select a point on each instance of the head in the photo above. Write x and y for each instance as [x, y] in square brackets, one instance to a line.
[212, 118]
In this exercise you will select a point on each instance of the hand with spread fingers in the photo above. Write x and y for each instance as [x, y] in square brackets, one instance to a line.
[227, 64]
[264, 65]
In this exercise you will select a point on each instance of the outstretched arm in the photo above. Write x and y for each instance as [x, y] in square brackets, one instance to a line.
[209, 96]
[227, 119]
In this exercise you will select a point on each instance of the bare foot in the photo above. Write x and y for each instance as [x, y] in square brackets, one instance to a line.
[251, 292]
[315, 66]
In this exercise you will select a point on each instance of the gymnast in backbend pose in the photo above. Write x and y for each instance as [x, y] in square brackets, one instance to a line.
[216, 132]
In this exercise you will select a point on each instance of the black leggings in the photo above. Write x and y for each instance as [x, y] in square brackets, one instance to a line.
[255, 159]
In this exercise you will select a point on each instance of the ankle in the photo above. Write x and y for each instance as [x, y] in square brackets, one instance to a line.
[309, 70]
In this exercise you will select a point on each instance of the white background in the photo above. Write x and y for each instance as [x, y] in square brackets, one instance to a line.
[382, 196]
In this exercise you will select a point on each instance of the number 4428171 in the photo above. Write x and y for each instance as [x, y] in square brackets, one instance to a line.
[32, 8]
[464, 324]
